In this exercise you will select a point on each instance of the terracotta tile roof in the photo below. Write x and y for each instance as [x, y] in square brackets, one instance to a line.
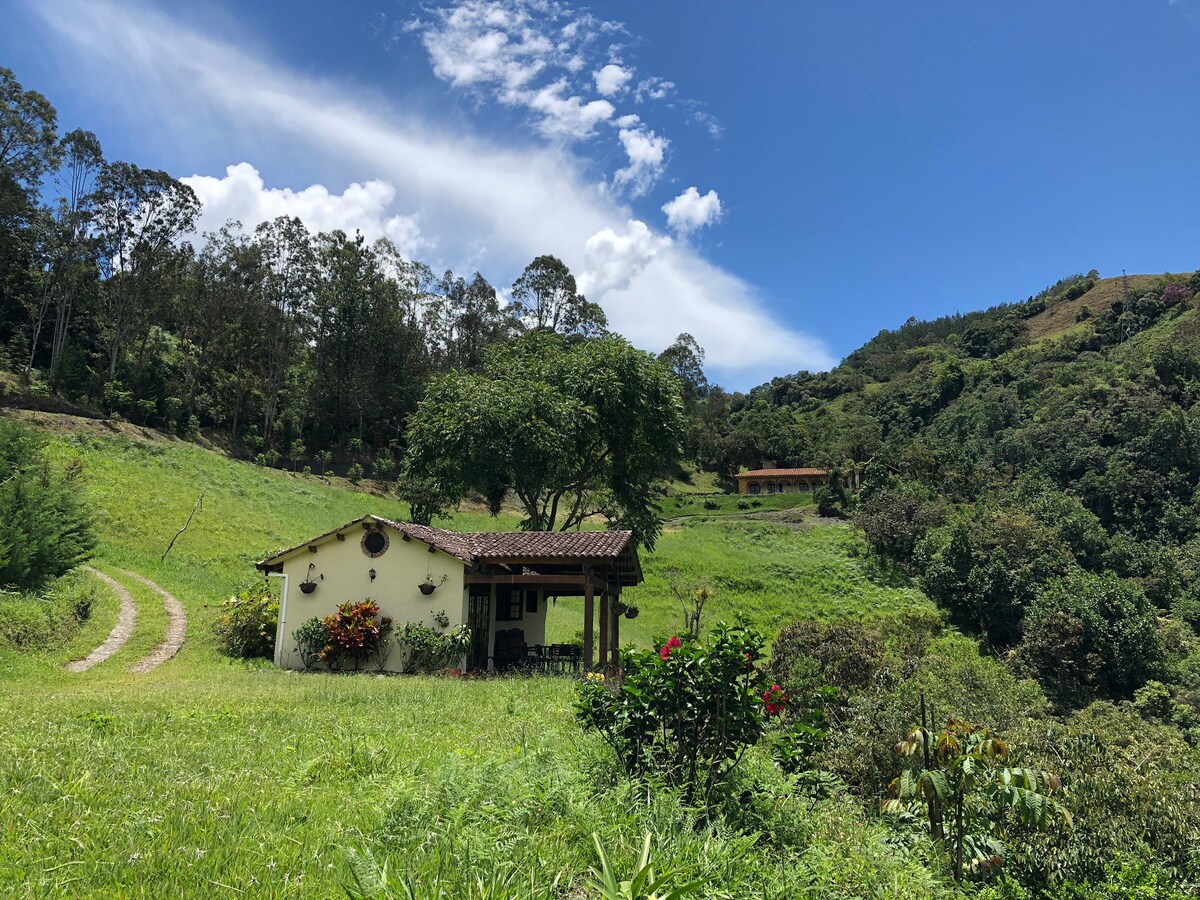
[483, 546]
[781, 473]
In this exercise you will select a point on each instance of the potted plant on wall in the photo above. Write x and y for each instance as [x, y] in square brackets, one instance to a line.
[428, 586]
[308, 585]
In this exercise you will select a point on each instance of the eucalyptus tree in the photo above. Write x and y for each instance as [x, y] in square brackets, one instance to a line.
[140, 216]
[478, 320]
[68, 263]
[546, 297]
[573, 429]
[29, 145]
[288, 284]
[28, 150]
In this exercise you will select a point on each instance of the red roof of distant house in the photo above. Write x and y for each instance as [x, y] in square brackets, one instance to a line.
[781, 473]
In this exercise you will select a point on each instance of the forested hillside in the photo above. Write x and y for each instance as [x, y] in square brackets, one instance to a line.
[1036, 464]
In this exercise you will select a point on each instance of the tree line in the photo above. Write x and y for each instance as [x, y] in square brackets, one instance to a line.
[287, 342]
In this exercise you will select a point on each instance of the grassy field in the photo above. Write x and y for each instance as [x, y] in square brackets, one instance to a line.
[216, 778]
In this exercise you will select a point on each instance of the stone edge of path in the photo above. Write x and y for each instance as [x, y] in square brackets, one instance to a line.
[126, 622]
[176, 628]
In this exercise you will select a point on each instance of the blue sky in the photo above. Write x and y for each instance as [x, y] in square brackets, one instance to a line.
[781, 179]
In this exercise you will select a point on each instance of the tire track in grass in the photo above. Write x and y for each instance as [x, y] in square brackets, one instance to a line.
[176, 628]
[121, 632]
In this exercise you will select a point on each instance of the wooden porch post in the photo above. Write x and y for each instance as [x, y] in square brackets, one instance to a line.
[615, 646]
[588, 648]
[604, 616]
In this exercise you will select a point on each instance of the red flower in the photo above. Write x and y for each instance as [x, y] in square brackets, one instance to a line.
[775, 699]
[669, 646]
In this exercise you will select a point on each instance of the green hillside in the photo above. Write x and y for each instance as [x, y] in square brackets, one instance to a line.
[213, 777]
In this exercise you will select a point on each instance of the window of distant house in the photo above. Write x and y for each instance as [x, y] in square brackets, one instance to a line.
[374, 543]
[756, 488]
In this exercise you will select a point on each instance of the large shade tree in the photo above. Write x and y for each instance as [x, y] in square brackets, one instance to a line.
[572, 429]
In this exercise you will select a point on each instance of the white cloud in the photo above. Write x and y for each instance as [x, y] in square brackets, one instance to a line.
[506, 47]
[646, 152]
[241, 195]
[611, 79]
[612, 260]
[496, 206]
[691, 210]
[653, 88]
[571, 116]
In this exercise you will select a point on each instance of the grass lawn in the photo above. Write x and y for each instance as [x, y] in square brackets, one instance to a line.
[216, 778]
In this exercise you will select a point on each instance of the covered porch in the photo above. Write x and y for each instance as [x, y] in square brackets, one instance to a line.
[508, 596]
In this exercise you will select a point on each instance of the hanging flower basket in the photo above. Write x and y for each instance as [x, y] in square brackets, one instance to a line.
[428, 586]
[632, 612]
[308, 587]
[619, 608]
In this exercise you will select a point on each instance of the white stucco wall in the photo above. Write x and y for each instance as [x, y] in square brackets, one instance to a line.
[340, 569]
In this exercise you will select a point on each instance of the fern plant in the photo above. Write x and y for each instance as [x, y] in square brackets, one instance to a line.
[959, 781]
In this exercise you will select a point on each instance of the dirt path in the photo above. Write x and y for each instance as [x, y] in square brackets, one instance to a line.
[126, 620]
[176, 629]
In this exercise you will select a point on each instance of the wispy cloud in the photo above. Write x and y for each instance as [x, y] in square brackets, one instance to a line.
[495, 205]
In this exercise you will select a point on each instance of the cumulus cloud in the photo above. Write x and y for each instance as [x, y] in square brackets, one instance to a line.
[506, 47]
[494, 205]
[242, 195]
[647, 153]
[611, 79]
[612, 260]
[568, 116]
[521, 53]
[691, 211]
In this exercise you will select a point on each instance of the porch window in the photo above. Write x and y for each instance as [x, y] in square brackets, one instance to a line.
[755, 488]
[510, 604]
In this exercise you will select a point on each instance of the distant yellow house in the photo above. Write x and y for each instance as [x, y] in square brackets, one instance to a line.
[497, 583]
[781, 481]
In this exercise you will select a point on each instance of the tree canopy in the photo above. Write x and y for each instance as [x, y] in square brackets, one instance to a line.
[572, 429]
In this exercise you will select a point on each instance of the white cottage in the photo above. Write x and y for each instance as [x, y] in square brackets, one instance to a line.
[497, 583]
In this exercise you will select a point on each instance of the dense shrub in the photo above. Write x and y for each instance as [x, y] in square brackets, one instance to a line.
[1090, 636]
[985, 565]
[685, 713]
[45, 529]
[1133, 789]
[247, 623]
[957, 681]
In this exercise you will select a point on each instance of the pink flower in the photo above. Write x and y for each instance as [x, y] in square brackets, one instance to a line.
[775, 699]
[669, 646]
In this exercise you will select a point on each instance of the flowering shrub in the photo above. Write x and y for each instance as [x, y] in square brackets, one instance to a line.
[774, 700]
[356, 633]
[246, 625]
[685, 712]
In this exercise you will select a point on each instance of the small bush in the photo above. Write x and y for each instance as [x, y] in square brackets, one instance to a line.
[37, 622]
[355, 473]
[711, 504]
[246, 627]
[357, 634]
[427, 650]
[685, 713]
